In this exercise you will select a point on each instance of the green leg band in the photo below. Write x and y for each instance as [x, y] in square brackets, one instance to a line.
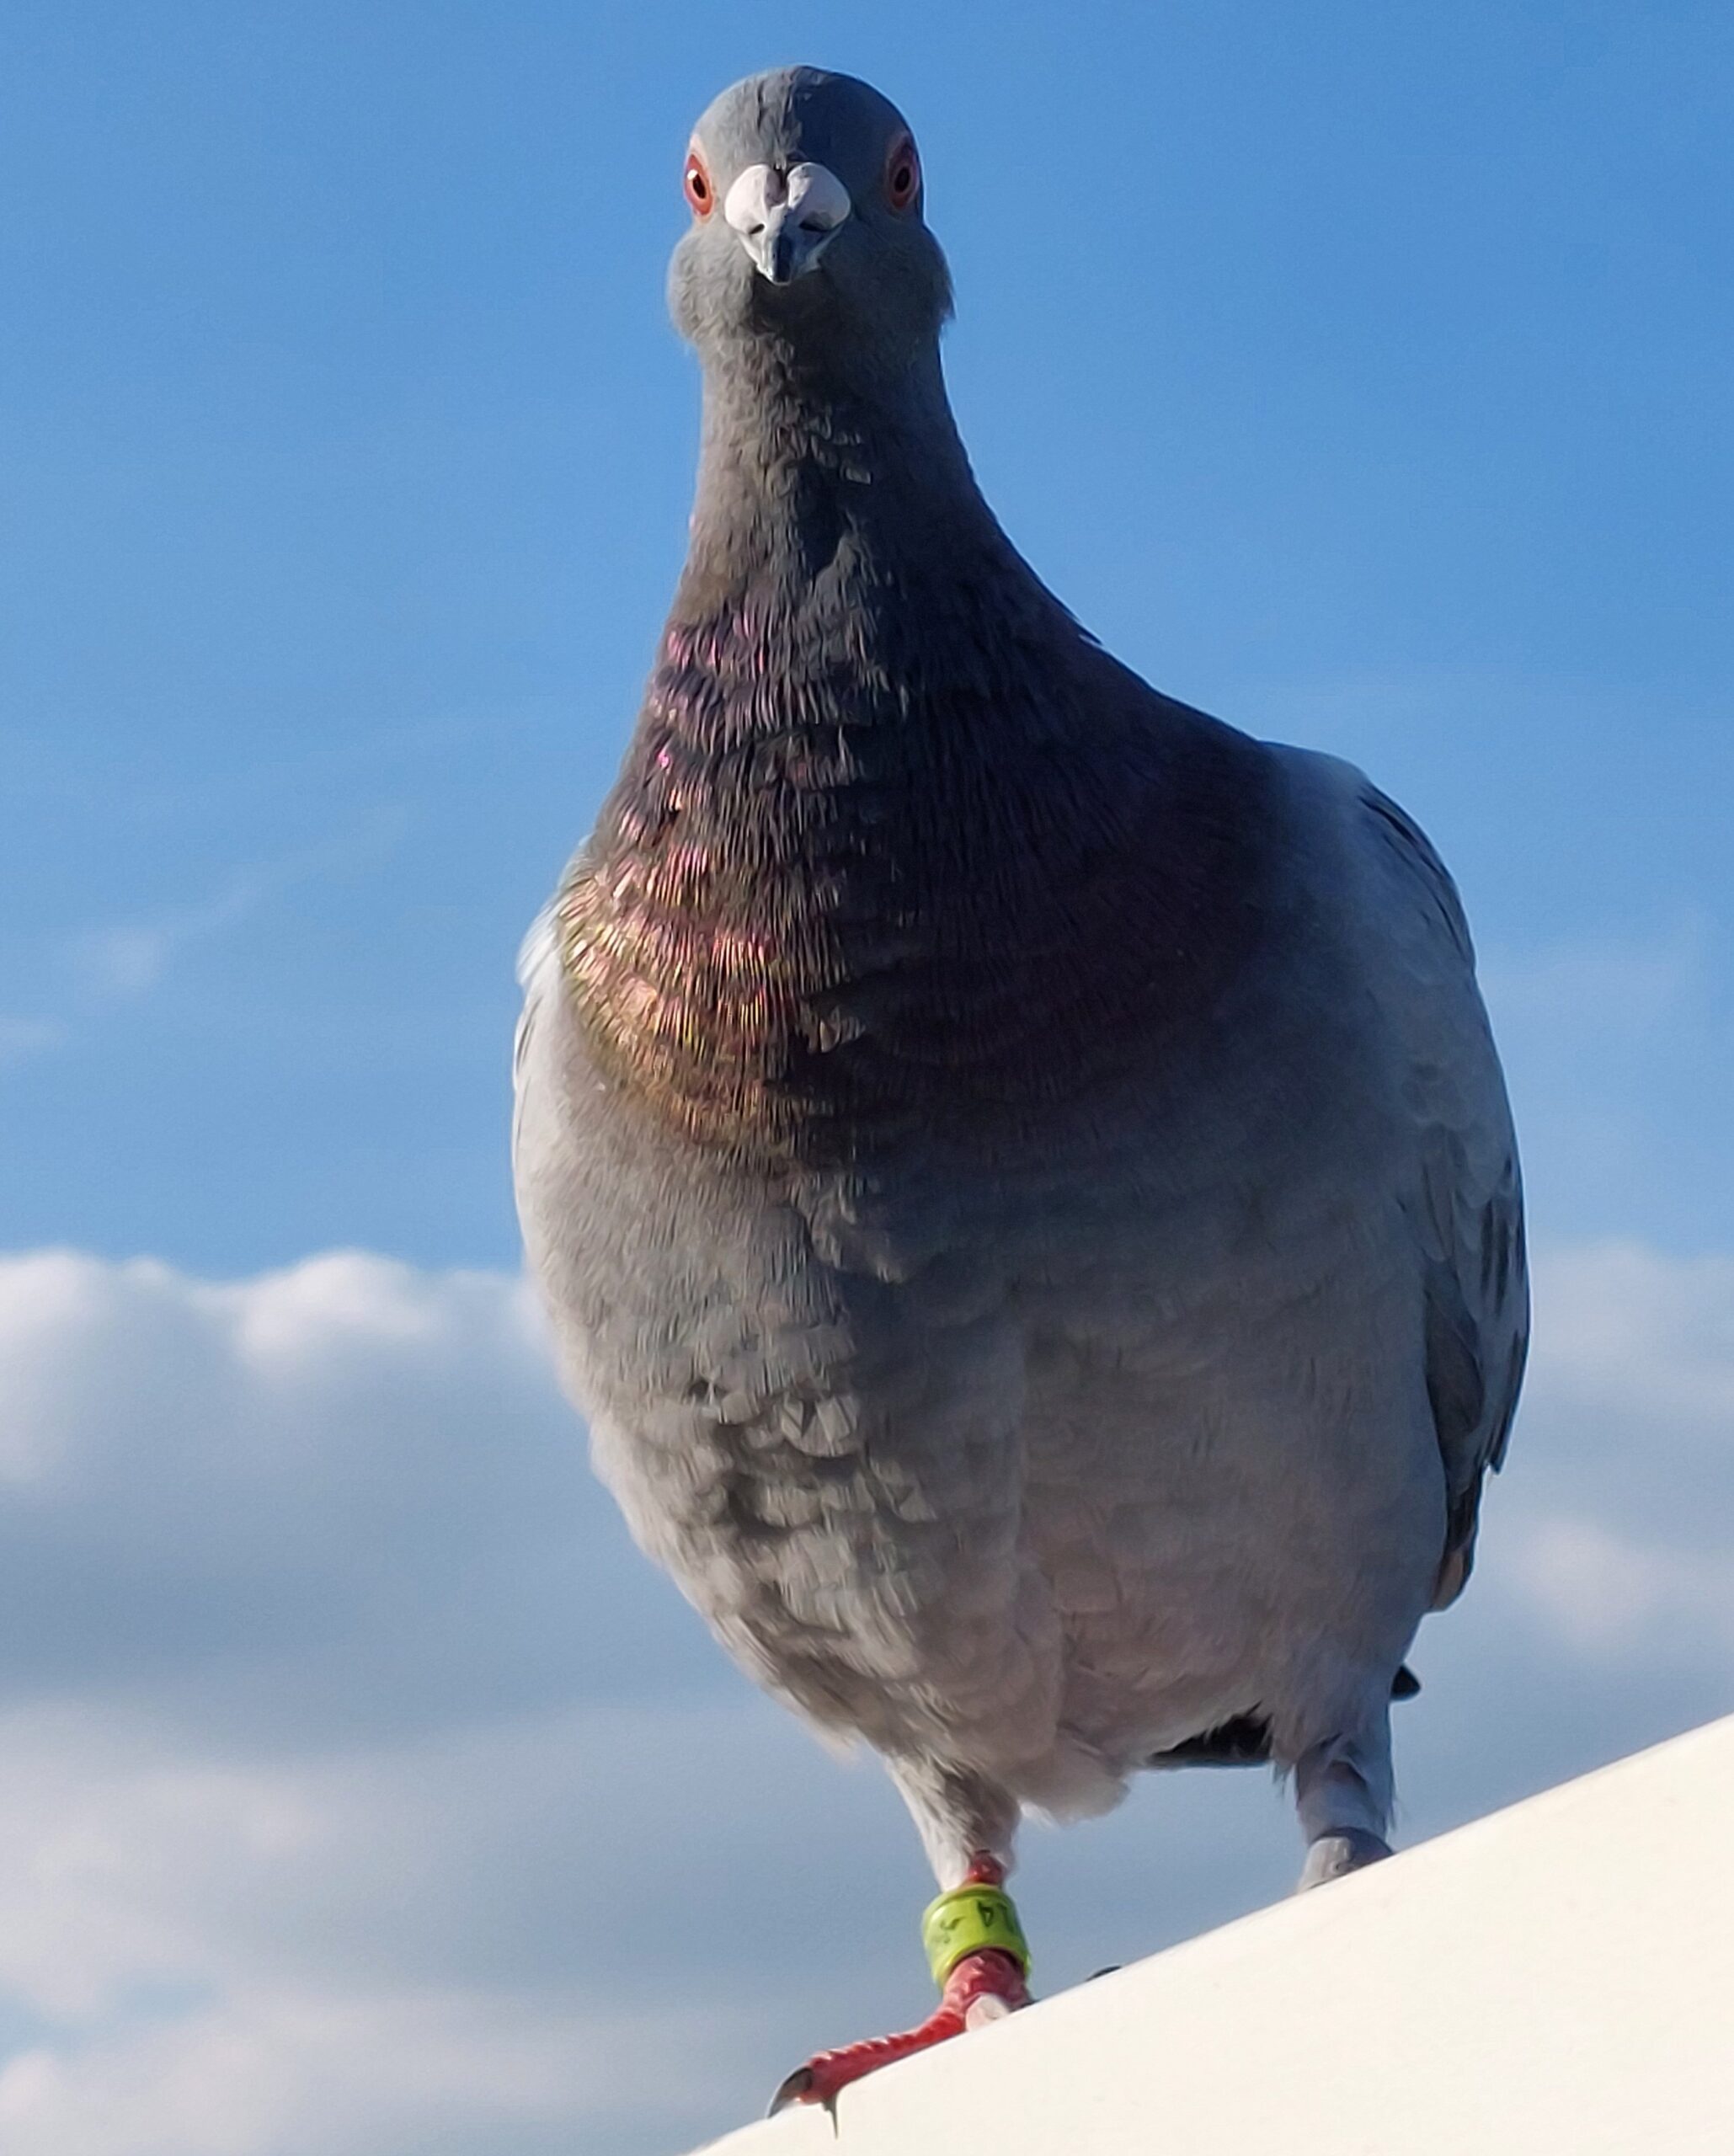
[966, 1920]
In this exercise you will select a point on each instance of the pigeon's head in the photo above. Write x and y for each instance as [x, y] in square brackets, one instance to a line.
[805, 195]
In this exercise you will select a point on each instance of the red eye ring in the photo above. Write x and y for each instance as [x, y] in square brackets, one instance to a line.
[700, 194]
[903, 174]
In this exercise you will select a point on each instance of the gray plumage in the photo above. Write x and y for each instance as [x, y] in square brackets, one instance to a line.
[1019, 1170]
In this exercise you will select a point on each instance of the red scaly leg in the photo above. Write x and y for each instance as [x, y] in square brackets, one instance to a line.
[981, 1986]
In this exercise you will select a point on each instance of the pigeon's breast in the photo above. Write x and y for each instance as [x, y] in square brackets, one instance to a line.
[819, 912]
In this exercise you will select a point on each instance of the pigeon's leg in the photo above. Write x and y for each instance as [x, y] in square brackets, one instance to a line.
[975, 1943]
[1343, 1793]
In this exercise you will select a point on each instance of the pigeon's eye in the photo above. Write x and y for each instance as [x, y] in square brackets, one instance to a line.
[903, 174]
[698, 191]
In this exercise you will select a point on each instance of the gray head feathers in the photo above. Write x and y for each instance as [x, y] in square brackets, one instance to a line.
[808, 231]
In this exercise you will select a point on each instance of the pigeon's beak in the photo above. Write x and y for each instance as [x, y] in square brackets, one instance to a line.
[786, 221]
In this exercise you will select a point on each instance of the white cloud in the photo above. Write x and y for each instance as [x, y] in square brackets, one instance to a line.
[128, 959]
[1626, 986]
[1609, 1594]
[22, 1040]
[348, 2073]
[350, 1476]
[361, 1789]
[115, 963]
[1621, 1497]
[1616, 1047]
[1624, 1329]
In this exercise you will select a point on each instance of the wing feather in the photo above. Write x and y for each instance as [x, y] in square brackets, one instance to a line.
[1467, 1207]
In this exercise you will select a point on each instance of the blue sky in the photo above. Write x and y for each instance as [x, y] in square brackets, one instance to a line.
[1357, 371]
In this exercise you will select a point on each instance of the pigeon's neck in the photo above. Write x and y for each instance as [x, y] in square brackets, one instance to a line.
[818, 501]
[895, 847]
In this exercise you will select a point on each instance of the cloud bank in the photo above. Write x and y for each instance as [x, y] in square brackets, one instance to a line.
[361, 1789]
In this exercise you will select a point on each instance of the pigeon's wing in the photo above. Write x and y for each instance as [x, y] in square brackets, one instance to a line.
[1465, 1199]
[538, 977]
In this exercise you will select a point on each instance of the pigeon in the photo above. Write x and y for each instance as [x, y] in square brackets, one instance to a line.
[1018, 1170]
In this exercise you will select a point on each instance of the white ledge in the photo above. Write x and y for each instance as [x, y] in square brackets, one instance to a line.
[1556, 1980]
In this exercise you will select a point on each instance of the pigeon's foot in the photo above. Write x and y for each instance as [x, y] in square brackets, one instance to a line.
[1351, 1850]
[983, 1987]
[978, 1983]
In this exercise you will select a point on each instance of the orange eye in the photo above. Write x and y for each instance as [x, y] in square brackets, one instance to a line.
[698, 191]
[903, 174]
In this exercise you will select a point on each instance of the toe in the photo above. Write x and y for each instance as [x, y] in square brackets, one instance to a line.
[1352, 1849]
[987, 2008]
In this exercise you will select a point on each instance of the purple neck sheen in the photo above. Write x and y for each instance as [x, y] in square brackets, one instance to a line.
[886, 813]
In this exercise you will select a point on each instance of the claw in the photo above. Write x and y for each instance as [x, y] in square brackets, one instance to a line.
[984, 1987]
[793, 2090]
